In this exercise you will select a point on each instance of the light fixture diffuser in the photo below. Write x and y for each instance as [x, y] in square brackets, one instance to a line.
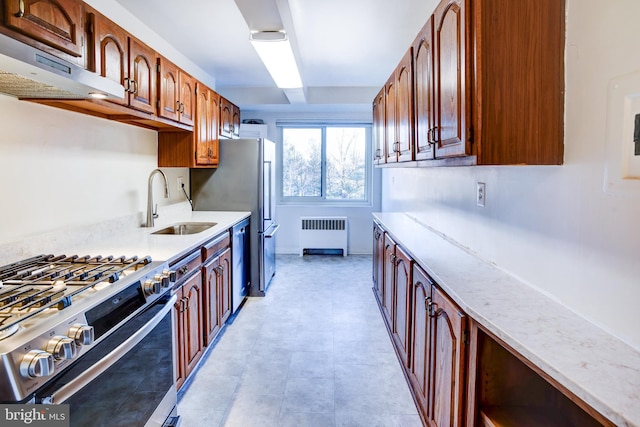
[275, 51]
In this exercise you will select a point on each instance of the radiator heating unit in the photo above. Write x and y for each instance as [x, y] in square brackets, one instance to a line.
[323, 235]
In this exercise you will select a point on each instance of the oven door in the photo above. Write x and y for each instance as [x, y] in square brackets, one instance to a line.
[128, 379]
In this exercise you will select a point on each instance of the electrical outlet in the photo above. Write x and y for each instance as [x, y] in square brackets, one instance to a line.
[481, 194]
[180, 182]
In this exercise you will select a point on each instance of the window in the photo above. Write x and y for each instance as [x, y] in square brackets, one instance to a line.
[325, 163]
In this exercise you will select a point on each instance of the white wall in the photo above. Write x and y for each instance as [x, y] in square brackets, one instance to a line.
[59, 169]
[288, 216]
[557, 228]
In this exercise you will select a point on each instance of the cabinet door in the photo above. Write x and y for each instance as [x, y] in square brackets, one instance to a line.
[142, 76]
[226, 118]
[202, 129]
[447, 364]
[214, 123]
[57, 23]
[210, 305]
[420, 333]
[378, 260]
[391, 151]
[169, 101]
[424, 93]
[450, 73]
[192, 292]
[110, 47]
[181, 364]
[235, 122]
[379, 128]
[401, 321]
[388, 282]
[404, 108]
[224, 286]
[187, 98]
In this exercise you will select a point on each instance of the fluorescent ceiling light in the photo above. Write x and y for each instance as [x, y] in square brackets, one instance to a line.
[275, 51]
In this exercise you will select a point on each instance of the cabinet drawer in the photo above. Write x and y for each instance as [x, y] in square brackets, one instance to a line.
[215, 246]
[185, 267]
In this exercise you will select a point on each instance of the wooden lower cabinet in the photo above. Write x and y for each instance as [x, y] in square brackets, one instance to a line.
[438, 353]
[429, 334]
[418, 374]
[459, 373]
[203, 303]
[189, 326]
[388, 281]
[401, 312]
[448, 356]
[217, 293]
[378, 254]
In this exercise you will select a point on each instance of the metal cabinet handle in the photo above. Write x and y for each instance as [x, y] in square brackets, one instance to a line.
[20, 12]
[135, 86]
[177, 106]
[181, 107]
[431, 135]
[210, 152]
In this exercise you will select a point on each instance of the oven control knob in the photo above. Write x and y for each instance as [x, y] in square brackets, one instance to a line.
[62, 347]
[36, 363]
[151, 287]
[164, 280]
[81, 334]
[171, 274]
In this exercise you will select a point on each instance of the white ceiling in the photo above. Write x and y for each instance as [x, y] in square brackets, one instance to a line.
[345, 49]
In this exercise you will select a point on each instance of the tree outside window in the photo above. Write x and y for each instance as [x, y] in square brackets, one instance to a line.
[324, 163]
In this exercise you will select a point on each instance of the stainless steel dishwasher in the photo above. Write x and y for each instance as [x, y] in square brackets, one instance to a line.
[241, 260]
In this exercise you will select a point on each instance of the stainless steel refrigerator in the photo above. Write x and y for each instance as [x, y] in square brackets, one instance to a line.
[244, 181]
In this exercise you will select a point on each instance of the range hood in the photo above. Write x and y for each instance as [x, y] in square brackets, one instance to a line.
[29, 73]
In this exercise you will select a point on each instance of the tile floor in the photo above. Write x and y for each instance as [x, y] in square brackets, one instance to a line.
[313, 352]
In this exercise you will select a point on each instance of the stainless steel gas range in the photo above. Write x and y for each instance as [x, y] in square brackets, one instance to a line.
[95, 333]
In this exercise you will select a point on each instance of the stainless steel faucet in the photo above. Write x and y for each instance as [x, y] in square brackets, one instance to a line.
[151, 213]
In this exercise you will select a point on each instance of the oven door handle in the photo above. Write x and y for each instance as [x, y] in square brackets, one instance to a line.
[69, 389]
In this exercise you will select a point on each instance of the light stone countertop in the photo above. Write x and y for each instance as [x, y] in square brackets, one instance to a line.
[125, 236]
[597, 367]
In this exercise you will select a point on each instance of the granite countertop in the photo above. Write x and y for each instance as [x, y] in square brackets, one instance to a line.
[597, 367]
[125, 236]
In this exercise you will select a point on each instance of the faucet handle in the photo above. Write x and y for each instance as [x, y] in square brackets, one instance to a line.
[155, 211]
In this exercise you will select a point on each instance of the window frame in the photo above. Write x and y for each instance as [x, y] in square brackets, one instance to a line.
[322, 200]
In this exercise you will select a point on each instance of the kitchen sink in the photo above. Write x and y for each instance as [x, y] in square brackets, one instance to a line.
[183, 228]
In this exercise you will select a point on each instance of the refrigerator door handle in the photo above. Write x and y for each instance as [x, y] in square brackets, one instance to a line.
[271, 231]
[268, 186]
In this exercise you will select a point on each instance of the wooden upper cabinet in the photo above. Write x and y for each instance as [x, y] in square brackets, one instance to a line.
[124, 59]
[519, 81]
[235, 121]
[404, 108]
[450, 77]
[56, 23]
[226, 118]
[379, 127]
[176, 93]
[391, 151]
[423, 95]
[206, 137]
[142, 76]
[399, 112]
[502, 60]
